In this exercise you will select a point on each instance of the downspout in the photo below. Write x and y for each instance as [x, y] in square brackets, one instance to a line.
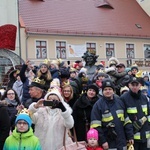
[19, 33]
[27, 46]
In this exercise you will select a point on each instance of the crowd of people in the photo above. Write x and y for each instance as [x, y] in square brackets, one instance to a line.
[108, 106]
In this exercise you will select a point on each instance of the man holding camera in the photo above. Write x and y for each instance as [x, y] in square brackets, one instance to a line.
[108, 117]
[136, 105]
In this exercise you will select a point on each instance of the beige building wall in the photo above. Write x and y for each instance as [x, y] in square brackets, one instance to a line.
[145, 4]
[29, 48]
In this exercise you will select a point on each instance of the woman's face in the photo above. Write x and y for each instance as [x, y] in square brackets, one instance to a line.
[43, 69]
[10, 94]
[91, 93]
[53, 97]
[67, 92]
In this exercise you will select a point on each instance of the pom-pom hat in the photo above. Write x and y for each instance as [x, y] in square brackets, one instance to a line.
[92, 133]
[24, 117]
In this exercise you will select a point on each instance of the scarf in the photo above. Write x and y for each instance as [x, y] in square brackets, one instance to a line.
[12, 102]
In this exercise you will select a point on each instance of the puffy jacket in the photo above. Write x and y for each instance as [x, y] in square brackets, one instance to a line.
[111, 111]
[137, 107]
[22, 141]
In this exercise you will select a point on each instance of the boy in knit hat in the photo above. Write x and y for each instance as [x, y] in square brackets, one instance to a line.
[92, 139]
[22, 136]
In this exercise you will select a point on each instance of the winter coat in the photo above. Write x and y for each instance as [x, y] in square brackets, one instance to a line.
[50, 125]
[4, 125]
[22, 141]
[82, 115]
[137, 107]
[107, 111]
[55, 73]
[25, 80]
[18, 87]
[95, 148]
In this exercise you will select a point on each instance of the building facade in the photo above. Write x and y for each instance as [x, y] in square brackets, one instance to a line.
[68, 29]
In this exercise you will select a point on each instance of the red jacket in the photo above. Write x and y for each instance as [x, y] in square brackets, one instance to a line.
[92, 148]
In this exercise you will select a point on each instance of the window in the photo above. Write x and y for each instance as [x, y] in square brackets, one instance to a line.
[110, 50]
[41, 49]
[91, 47]
[61, 49]
[130, 50]
[147, 50]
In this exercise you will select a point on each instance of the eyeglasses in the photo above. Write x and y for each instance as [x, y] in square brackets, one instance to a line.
[24, 123]
[67, 91]
[10, 93]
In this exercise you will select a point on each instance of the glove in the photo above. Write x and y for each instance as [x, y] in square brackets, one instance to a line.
[58, 104]
[112, 135]
[137, 125]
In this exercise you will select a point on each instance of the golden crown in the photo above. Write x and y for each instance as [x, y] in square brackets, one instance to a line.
[24, 111]
[37, 80]
[46, 61]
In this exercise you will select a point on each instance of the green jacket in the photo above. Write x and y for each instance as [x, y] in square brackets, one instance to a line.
[22, 141]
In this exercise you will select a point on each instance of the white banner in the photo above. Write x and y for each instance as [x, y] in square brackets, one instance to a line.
[76, 50]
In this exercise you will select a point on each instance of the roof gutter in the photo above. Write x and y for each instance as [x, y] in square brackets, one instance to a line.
[93, 35]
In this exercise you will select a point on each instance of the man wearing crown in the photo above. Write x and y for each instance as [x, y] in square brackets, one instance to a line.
[36, 91]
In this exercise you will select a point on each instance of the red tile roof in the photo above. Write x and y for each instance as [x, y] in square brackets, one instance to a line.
[85, 17]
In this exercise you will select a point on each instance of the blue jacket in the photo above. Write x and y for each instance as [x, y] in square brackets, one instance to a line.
[111, 111]
[137, 107]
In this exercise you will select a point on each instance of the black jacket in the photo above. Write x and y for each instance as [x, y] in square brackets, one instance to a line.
[137, 107]
[4, 125]
[82, 115]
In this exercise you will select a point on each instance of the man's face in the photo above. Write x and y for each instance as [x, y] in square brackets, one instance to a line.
[35, 92]
[108, 92]
[120, 69]
[134, 87]
[80, 64]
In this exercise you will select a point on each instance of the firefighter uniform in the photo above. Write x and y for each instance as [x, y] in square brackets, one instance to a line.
[137, 108]
[106, 112]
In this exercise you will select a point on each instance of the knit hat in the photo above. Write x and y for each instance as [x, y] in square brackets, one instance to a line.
[134, 67]
[94, 87]
[101, 73]
[64, 73]
[113, 61]
[43, 64]
[92, 133]
[123, 89]
[107, 83]
[54, 92]
[24, 117]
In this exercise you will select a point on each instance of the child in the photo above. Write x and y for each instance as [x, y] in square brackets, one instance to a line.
[22, 136]
[92, 139]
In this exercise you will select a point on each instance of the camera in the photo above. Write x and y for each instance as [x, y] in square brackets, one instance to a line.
[48, 103]
[54, 103]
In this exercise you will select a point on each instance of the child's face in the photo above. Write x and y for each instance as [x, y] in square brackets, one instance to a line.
[101, 78]
[92, 142]
[22, 126]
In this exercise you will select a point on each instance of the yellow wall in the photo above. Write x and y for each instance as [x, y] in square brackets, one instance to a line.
[120, 46]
